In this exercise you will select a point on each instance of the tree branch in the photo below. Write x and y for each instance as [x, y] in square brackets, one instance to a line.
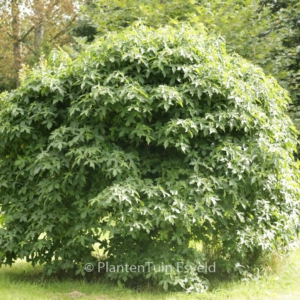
[29, 48]
[25, 35]
[64, 29]
[10, 35]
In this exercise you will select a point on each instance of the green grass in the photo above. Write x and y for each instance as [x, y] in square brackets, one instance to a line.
[22, 282]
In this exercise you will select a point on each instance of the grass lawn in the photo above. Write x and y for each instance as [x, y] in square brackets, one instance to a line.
[22, 282]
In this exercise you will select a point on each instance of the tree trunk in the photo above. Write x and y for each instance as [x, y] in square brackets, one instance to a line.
[39, 24]
[38, 37]
[17, 45]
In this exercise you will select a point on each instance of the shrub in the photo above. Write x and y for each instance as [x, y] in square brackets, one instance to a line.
[178, 153]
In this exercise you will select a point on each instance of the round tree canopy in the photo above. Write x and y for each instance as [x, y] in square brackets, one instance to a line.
[157, 146]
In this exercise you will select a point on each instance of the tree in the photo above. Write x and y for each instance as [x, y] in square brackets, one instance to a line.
[284, 60]
[157, 145]
[240, 22]
[17, 46]
[101, 17]
[25, 37]
[7, 81]
[39, 20]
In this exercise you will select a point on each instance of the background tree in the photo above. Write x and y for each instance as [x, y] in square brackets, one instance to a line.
[32, 28]
[7, 79]
[107, 16]
[16, 35]
[284, 61]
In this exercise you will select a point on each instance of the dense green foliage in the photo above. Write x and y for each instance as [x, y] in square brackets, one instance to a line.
[284, 60]
[115, 15]
[158, 139]
[266, 32]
